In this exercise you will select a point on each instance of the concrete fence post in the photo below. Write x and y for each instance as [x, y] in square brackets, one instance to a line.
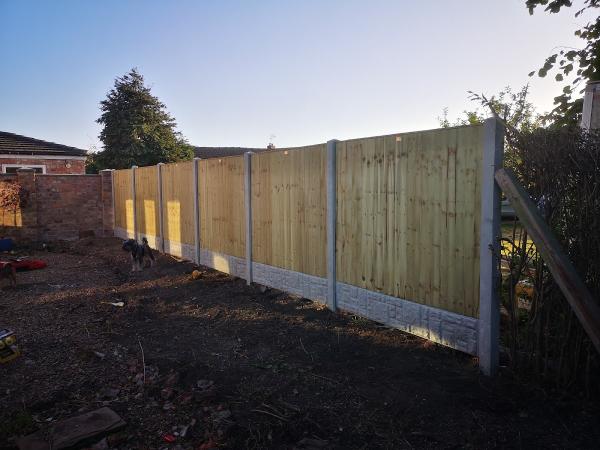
[590, 116]
[114, 206]
[161, 239]
[134, 207]
[331, 224]
[196, 212]
[489, 250]
[248, 208]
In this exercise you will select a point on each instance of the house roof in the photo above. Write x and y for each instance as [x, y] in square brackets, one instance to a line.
[221, 152]
[15, 144]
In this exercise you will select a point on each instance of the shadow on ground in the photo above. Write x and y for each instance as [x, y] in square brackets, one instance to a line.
[245, 369]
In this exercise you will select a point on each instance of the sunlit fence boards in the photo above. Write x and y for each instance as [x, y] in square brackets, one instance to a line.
[123, 203]
[408, 211]
[178, 208]
[146, 203]
[221, 191]
[289, 209]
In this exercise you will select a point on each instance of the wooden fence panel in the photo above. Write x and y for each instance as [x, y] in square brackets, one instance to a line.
[123, 200]
[408, 213]
[221, 197]
[146, 201]
[289, 209]
[178, 202]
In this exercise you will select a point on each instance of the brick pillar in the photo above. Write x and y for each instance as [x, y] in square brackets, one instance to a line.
[29, 214]
[108, 217]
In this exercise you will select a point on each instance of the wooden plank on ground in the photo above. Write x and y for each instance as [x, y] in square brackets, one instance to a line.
[76, 431]
[579, 297]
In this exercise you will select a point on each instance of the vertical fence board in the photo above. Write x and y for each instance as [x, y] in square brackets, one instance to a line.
[123, 200]
[178, 203]
[222, 205]
[407, 216]
[146, 199]
[289, 209]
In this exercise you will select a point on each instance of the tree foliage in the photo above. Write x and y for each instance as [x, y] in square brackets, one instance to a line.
[513, 108]
[584, 62]
[137, 129]
[12, 195]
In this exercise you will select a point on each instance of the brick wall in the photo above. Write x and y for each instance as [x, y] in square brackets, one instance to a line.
[63, 207]
[53, 166]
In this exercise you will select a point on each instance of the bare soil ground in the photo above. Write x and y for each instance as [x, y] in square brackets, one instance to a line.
[245, 369]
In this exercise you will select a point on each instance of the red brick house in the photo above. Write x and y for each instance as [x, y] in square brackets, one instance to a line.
[18, 151]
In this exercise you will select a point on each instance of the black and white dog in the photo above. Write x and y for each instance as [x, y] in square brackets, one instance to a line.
[138, 253]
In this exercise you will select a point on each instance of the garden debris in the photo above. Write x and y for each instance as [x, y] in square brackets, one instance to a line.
[166, 393]
[108, 393]
[117, 304]
[24, 263]
[169, 438]
[148, 377]
[73, 431]
[204, 389]
[208, 445]
[8, 346]
[311, 444]
[101, 445]
[172, 379]
[183, 429]
[6, 244]
[196, 275]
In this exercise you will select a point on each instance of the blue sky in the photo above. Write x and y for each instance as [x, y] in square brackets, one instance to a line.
[237, 72]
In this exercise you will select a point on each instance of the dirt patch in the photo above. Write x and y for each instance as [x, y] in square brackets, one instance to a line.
[214, 363]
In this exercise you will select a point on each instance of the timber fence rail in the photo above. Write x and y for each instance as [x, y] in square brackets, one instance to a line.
[401, 229]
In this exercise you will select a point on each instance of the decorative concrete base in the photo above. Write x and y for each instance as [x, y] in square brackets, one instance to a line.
[122, 233]
[437, 325]
[184, 251]
[223, 263]
[307, 286]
